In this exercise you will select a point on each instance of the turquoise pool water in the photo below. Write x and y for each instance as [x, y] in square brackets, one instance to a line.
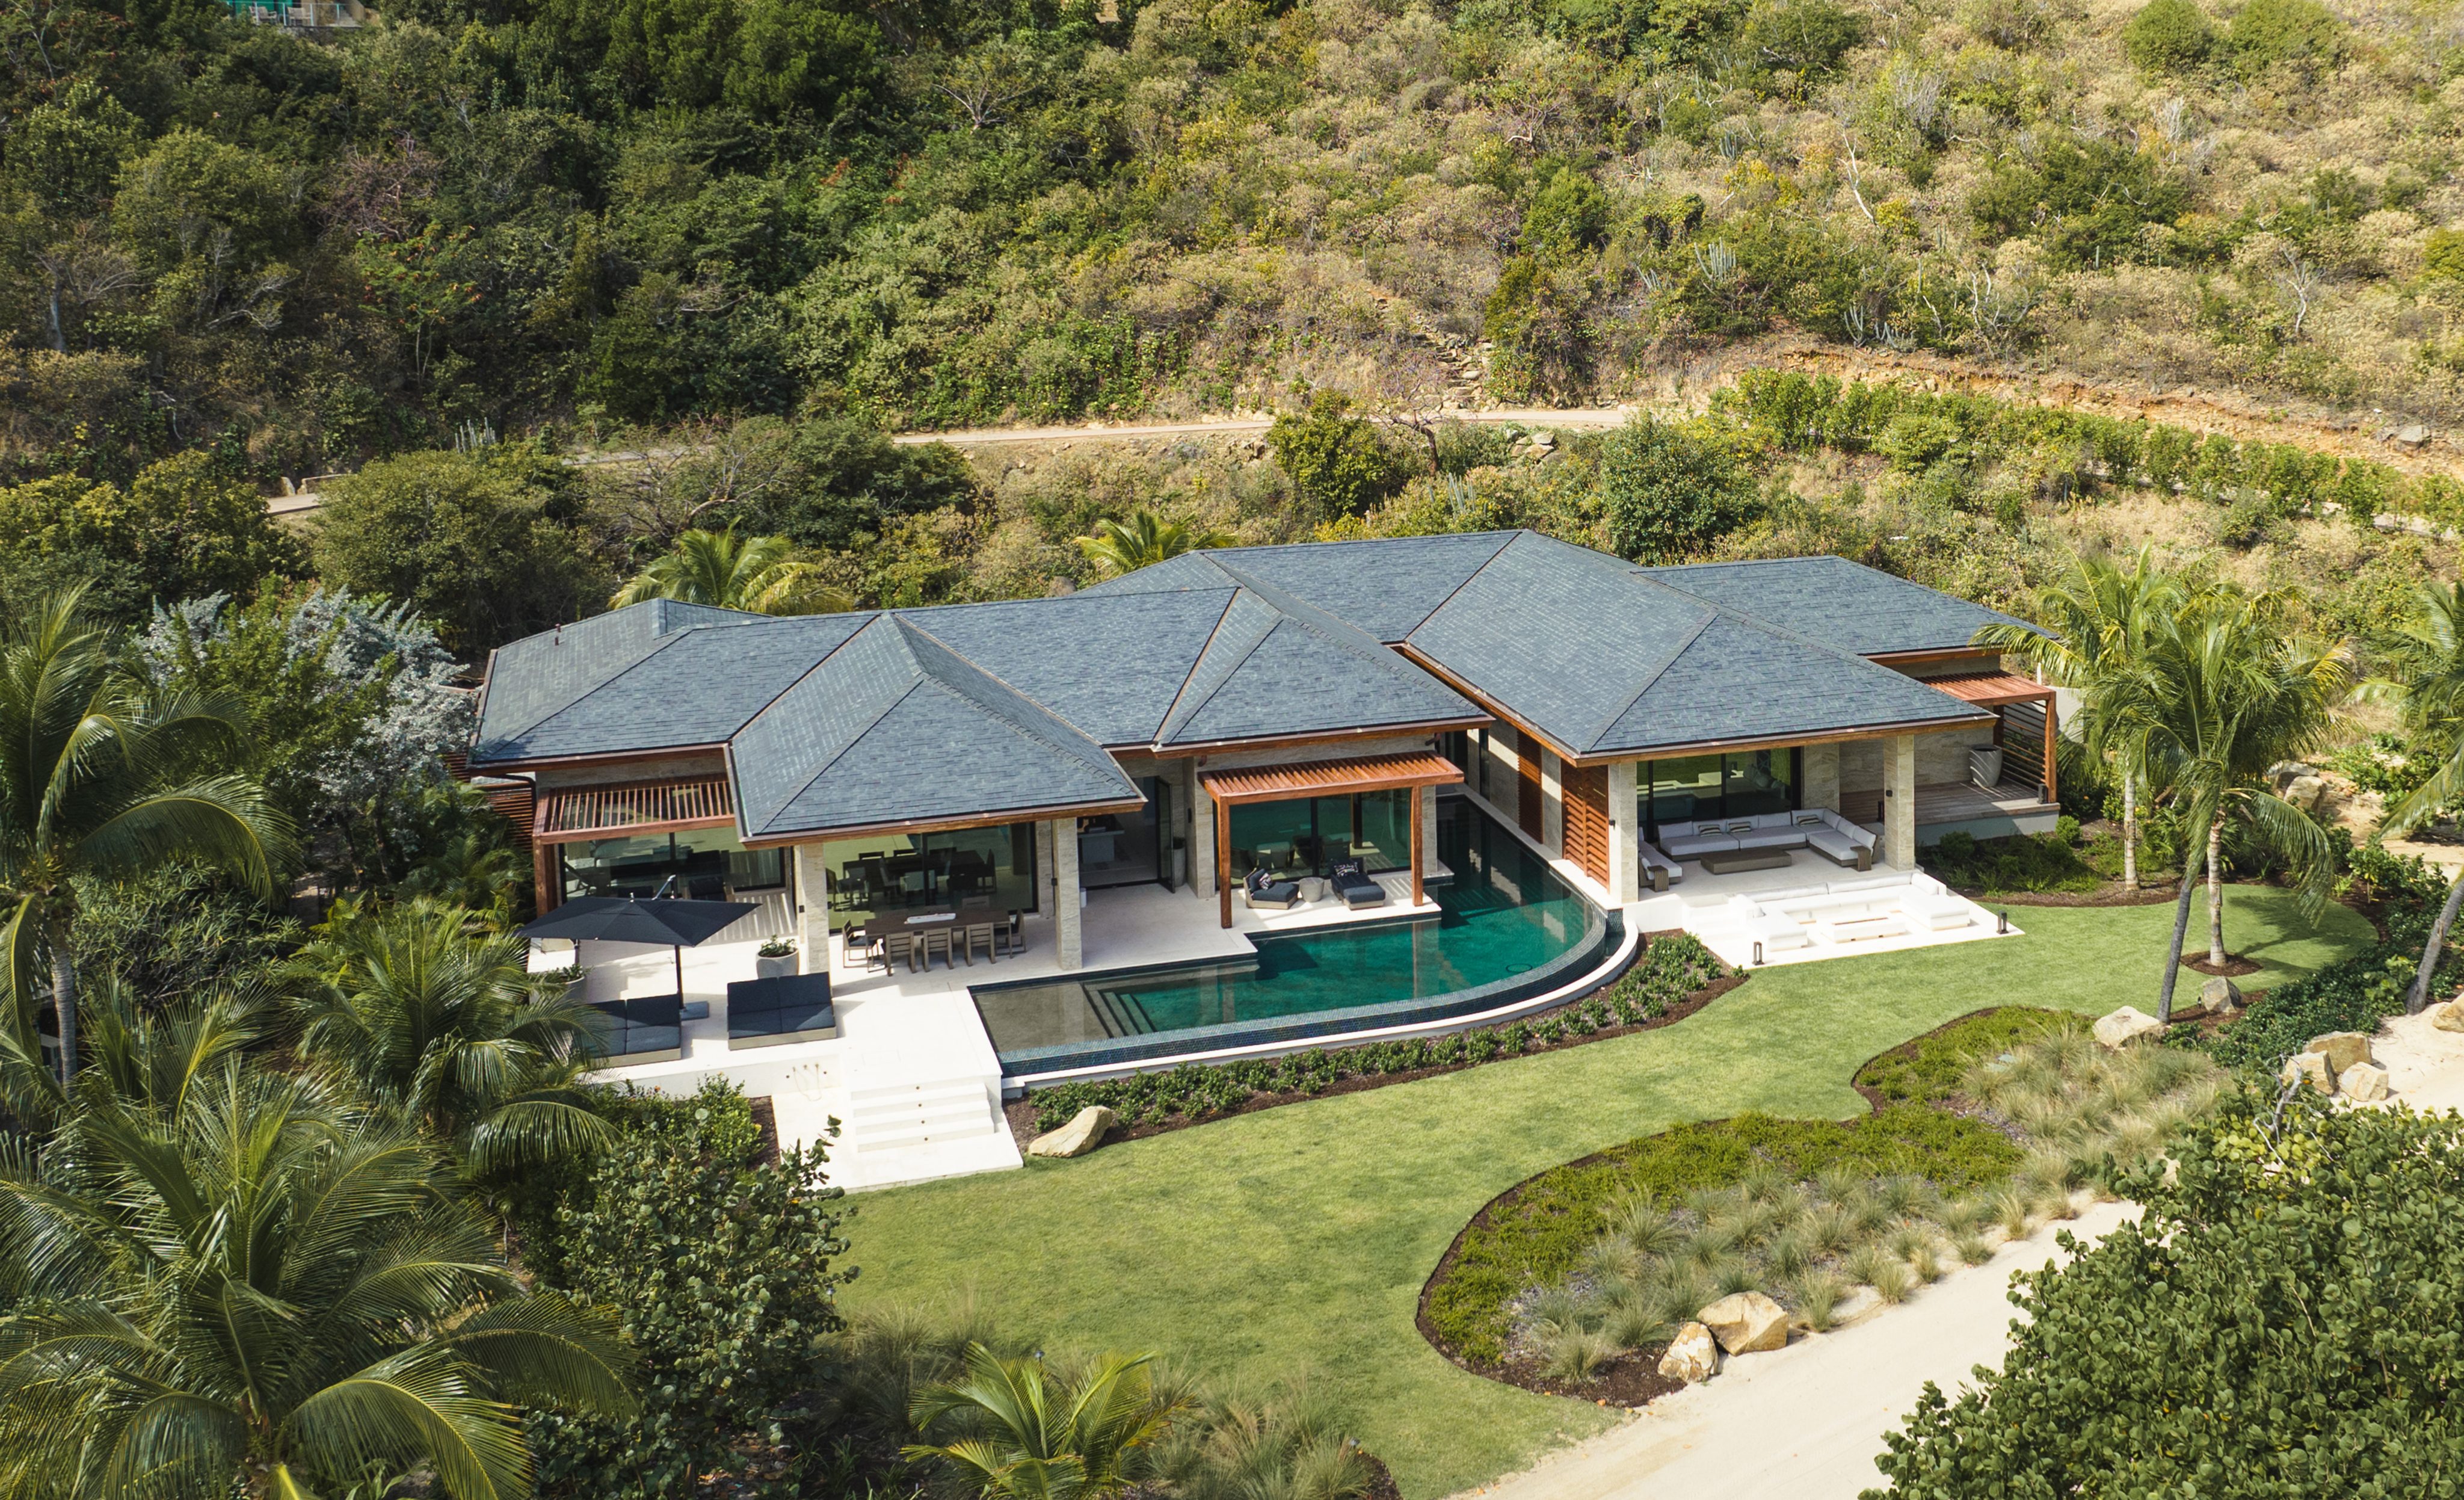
[1505, 920]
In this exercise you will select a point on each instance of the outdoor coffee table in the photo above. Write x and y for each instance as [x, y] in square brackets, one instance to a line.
[1735, 860]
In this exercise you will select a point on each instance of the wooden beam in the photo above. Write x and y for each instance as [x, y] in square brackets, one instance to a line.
[2053, 793]
[1224, 860]
[1417, 857]
[546, 897]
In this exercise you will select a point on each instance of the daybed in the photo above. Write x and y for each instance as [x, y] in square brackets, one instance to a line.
[1263, 892]
[1821, 829]
[1347, 879]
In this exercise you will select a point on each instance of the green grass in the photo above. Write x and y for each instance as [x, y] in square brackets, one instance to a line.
[1294, 1242]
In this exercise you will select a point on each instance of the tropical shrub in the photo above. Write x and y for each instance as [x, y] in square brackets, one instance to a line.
[2276, 1323]
[1668, 490]
[1334, 458]
[2169, 37]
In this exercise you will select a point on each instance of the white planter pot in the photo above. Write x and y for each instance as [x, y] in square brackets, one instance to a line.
[777, 968]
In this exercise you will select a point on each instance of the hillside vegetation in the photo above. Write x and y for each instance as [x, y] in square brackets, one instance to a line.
[477, 216]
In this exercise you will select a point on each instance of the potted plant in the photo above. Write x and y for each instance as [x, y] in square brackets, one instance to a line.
[776, 960]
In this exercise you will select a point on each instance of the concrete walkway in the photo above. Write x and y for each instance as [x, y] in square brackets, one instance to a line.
[1808, 1421]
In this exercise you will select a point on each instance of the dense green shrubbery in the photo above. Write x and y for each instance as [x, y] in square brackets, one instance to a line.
[1671, 968]
[1538, 1238]
[1800, 412]
[2280, 1322]
[2359, 992]
[1669, 490]
[2033, 862]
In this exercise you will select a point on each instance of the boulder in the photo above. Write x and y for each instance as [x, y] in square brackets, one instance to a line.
[2281, 775]
[1084, 1132]
[2126, 1025]
[2310, 1068]
[2341, 1049]
[1747, 1322]
[2304, 791]
[2362, 1083]
[2449, 1017]
[1692, 1356]
[2220, 997]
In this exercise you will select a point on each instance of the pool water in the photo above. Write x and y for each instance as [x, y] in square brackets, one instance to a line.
[1504, 920]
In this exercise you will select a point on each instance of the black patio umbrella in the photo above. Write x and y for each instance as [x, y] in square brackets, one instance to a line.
[678, 925]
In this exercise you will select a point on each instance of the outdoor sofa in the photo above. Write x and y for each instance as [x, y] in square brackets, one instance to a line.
[1845, 910]
[1263, 892]
[1821, 829]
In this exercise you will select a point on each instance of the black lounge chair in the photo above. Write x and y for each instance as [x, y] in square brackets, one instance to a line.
[1353, 884]
[1263, 890]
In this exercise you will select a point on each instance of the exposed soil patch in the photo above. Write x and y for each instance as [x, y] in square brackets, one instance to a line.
[2233, 968]
[1632, 1381]
[766, 1118]
[1020, 1112]
[1381, 1480]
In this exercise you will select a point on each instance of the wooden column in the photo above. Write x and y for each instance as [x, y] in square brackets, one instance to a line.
[546, 897]
[1223, 858]
[1417, 792]
[2053, 793]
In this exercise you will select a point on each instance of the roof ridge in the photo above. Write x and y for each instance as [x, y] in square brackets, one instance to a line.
[1171, 709]
[1070, 739]
[1512, 537]
[801, 678]
[1343, 632]
[1173, 721]
[1710, 615]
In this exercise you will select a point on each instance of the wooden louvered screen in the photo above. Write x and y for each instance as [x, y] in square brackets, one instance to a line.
[2023, 743]
[583, 812]
[1587, 819]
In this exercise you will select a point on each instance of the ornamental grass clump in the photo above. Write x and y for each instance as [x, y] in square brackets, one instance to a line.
[2020, 1120]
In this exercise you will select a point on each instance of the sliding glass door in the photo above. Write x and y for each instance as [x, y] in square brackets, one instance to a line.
[1736, 785]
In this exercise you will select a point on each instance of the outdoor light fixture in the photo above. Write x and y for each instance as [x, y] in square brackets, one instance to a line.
[2001, 921]
[1758, 956]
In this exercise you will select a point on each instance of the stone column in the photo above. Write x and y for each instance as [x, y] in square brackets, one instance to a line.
[1067, 946]
[1429, 828]
[1817, 769]
[1625, 835]
[1899, 801]
[812, 910]
[1552, 803]
[1201, 837]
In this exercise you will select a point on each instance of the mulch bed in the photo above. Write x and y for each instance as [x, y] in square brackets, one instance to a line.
[1631, 1381]
[2233, 968]
[1020, 1112]
[1381, 1480]
[766, 1118]
[2111, 894]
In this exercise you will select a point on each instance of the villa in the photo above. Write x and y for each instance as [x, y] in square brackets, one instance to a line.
[1239, 802]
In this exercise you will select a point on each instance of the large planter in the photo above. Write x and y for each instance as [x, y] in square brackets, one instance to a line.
[766, 967]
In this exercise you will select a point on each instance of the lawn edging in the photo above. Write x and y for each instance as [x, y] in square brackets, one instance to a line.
[1633, 1379]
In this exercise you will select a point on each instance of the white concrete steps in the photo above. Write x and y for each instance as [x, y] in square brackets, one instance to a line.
[913, 1130]
[885, 1116]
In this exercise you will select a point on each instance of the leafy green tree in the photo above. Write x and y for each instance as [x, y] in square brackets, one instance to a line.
[2086, 203]
[723, 1270]
[446, 1028]
[2303, 34]
[2278, 1322]
[103, 779]
[1807, 37]
[1333, 457]
[1124, 547]
[1567, 217]
[488, 546]
[214, 224]
[760, 575]
[233, 1284]
[1030, 1441]
[1668, 490]
[2097, 626]
[180, 530]
[2425, 661]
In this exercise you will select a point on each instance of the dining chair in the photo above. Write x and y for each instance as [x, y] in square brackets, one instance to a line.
[855, 949]
[1015, 930]
[937, 939]
[979, 935]
[893, 947]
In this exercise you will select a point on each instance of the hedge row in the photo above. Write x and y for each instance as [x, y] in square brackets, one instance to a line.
[1540, 1237]
[1799, 413]
[2357, 993]
[1672, 967]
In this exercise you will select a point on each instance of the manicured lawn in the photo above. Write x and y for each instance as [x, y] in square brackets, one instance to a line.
[1293, 1241]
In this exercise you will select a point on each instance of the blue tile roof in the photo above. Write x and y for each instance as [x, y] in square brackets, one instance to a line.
[533, 679]
[1863, 610]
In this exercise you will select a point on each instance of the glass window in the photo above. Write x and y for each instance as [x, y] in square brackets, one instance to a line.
[1760, 781]
[702, 864]
[1738, 786]
[991, 869]
[1121, 849]
[1306, 835]
[1683, 790]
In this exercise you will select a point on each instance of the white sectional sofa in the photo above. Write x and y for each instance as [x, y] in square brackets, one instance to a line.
[1821, 829]
[1848, 910]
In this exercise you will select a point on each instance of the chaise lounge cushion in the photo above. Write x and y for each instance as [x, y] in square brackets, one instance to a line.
[1262, 889]
[1350, 881]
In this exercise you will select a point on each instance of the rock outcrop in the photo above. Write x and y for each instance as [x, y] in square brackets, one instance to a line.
[1693, 1356]
[1084, 1132]
[2126, 1025]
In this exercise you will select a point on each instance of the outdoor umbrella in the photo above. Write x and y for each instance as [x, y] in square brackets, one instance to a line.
[615, 918]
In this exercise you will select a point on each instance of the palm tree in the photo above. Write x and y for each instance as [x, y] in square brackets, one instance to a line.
[762, 575]
[2224, 691]
[102, 778]
[245, 1288]
[449, 1030]
[2427, 658]
[1040, 1444]
[1124, 547]
[2099, 622]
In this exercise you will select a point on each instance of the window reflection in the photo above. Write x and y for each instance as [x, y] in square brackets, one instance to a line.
[700, 864]
[989, 869]
[1306, 835]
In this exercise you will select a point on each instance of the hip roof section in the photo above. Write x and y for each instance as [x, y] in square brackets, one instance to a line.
[1853, 607]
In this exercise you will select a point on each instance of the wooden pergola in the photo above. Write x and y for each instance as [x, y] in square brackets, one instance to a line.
[1380, 773]
[577, 813]
[1998, 690]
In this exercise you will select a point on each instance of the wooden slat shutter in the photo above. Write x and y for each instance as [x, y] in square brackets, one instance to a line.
[1587, 819]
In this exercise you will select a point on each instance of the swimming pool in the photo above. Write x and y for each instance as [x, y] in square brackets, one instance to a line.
[1507, 928]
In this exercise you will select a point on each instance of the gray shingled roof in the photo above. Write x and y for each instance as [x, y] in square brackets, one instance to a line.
[1831, 599]
[1110, 664]
[895, 727]
[1385, 587]
[531, 679]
